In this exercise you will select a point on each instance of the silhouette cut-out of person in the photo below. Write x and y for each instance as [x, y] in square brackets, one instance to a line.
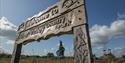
[60, 51]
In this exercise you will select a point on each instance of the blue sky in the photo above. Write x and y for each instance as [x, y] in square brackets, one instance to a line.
[100, 13]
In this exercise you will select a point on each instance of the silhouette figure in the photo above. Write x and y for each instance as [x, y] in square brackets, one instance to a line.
[60, 51]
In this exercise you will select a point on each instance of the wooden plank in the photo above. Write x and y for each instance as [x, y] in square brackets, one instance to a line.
[16, 53]
[82, 47]
[55, 10]
[57, 26]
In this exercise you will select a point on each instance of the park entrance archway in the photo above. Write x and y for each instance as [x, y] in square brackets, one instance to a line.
[64, 17]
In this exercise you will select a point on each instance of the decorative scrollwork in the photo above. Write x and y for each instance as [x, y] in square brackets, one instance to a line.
[68, 3]
[81, 51]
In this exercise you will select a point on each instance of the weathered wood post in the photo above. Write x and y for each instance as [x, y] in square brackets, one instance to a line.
[16, 53]
[82, 42]
[82, 47]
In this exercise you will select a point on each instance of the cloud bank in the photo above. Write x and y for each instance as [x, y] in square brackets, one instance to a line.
[7, 29]
[7, 35]
[101, 34]
[119, 51]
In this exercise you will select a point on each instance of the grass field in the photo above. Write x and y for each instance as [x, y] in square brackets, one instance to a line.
[44, 59]
[47, 60]
[31, 59]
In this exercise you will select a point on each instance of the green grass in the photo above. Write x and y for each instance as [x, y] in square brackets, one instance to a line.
[4, 58]
[46, 60]
[34, 59]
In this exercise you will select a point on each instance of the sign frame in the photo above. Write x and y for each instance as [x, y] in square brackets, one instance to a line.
[70, 13]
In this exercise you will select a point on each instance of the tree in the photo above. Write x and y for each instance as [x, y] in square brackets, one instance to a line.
[50, 55]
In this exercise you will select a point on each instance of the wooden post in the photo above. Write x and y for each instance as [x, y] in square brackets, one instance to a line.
[16, 53]
[82, 45]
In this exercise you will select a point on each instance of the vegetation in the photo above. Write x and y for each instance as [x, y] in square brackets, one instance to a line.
[36, 59]
[50, 58]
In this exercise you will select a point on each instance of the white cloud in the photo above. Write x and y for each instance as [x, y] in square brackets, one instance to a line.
[99, 35]
[118, 28]
[10, 42]
[119, 51]
[102, 34]
[7, 29]
[7, 35]
[6, 45]
[121, 16]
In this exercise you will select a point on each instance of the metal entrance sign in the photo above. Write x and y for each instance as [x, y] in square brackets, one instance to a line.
[66, 16]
